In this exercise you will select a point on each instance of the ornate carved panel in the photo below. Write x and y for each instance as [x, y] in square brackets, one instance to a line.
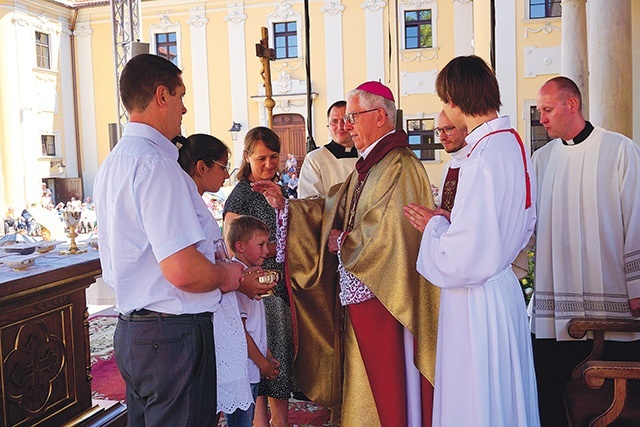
[35, 375]
[43, 346]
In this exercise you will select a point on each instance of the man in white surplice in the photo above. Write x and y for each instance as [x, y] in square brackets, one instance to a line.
[333, 163]
[587, 240]
[484, 364]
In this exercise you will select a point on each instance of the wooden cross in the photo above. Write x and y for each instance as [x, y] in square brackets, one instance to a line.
[265, 54]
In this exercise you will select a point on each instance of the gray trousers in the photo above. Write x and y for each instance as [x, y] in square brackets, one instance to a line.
[169, 366]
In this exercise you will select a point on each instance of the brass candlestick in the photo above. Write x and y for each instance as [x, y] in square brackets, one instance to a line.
[72, 218]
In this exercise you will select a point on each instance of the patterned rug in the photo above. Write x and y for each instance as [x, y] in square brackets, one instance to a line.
[108, 384]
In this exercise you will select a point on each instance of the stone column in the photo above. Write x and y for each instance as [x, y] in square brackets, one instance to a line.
[200, 69]
[235, 20]
[86, 98]
[374, 30]
[334, 52]
[574, 53]
[463, 23]
[610, 78]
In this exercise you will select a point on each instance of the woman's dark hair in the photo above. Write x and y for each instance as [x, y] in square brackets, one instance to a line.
[258, 134]
[198, 146]
[470, 84]
[141, 77]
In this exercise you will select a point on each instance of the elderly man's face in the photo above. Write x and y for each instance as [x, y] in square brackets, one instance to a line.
[365, 130]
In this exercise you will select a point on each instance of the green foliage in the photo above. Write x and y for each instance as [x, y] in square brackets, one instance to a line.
[527, 282]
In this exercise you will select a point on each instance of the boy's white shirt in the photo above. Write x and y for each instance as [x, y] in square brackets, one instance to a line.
[256, 325]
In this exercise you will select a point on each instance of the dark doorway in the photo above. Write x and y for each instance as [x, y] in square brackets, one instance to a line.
[291, 130]
[66, 188]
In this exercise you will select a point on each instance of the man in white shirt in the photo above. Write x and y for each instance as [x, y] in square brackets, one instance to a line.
[587, 240]
[157, 256]
[331, 164]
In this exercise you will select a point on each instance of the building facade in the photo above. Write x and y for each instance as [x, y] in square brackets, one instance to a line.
[58, 95]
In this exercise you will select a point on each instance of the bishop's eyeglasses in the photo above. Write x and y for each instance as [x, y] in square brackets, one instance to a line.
[351, 117]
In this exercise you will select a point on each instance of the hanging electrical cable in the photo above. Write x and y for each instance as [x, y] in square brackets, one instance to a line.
[311, 145]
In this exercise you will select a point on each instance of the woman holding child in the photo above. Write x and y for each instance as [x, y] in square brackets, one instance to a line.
[261, 159]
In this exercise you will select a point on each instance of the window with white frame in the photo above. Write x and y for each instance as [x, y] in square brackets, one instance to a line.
[167, 46]
[421, 136]
[285, 39]
[418, 24]
[42, 50]
[545, 9]
[164, 40]
[418, 29]
[48, 145]
[285, 32]
[537, 133]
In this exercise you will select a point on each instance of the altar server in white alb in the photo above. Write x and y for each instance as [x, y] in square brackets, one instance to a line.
[587, 239]
[333, 163]
[484, 362]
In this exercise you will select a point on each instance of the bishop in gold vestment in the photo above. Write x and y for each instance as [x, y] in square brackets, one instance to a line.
[353, 360]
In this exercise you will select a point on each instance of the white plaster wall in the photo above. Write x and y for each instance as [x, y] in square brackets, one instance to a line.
[11, 108]
[333, 35]
[418, 83]
[67, 104]
[541, 61]
[238, 68]
[24, 100]
[86, 104]
[463, 23]
[374, 30]
[200, 69]
[506, 70]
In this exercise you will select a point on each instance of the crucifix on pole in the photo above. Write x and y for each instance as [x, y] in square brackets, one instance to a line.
[265, 54]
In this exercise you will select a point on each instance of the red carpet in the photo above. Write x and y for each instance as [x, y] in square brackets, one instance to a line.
[108, 383]
[303, 413]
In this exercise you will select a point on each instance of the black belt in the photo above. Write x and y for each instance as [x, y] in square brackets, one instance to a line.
[148, 315]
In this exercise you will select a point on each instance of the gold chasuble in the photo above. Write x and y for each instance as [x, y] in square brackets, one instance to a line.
[381, 251]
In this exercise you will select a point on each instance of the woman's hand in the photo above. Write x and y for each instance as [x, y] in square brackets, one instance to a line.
[271, 191]
[419, 215]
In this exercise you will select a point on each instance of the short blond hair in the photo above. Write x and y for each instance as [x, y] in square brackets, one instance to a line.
[243, 228]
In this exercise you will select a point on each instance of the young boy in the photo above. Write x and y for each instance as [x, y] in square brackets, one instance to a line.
[247, 238]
